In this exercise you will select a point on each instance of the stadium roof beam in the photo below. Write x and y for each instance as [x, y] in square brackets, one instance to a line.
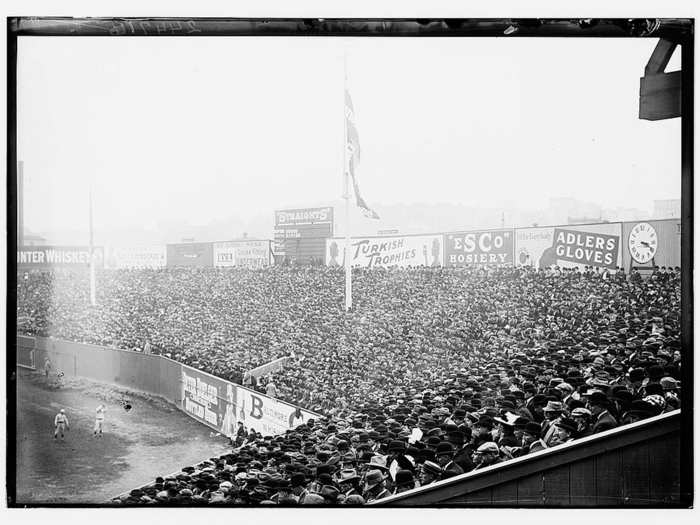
[660, 92]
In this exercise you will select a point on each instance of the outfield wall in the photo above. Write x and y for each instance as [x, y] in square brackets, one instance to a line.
[212, 401]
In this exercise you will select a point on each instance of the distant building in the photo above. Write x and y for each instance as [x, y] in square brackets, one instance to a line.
[583, 220]
[624, 214]
[564, 209]
[667, 209]
[35, 240]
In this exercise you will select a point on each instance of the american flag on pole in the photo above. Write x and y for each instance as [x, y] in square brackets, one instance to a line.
[352, 144]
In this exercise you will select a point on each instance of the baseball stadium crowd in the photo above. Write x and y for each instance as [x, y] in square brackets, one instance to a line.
[434, 372]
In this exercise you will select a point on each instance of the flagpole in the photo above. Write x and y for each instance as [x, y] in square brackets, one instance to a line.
[92, 251]
[346, 194]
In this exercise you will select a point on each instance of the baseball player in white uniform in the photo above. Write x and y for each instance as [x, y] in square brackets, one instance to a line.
[60, 423]
[99, 420]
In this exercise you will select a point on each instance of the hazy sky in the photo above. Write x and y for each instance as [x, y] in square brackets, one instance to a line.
[205, 128]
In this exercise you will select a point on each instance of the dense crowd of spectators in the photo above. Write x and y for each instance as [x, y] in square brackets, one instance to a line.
[434, 372]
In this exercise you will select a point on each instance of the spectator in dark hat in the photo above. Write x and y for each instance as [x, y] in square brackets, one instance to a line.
[444, 454]
[566, 429]
[531, 440]
[404, 481]
[602, 420]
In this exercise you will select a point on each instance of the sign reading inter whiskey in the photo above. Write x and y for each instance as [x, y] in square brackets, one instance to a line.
[300, 234]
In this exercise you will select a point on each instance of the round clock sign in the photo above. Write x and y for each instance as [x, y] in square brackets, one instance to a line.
[643, 242]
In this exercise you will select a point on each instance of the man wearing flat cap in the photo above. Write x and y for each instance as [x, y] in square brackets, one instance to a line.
[583, 417]
[486, 455]
[349, 482]
[373, 487]
[553, 412]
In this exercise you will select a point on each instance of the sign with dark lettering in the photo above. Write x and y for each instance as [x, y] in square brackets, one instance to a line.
[209, 400]
[269, 416]
[479, 248]
[43, 257]
[413, 250]
[246, 253]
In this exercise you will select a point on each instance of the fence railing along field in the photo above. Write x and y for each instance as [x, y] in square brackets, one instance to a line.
[213, 401]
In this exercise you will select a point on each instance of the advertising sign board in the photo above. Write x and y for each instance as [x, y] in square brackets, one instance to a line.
[300, 234]
[190, 254]
[209, 400]
[369, 252]
[479, 248]
[246, 253]
[125, 257]
[595, 245]
[267, 415]
[44, 257]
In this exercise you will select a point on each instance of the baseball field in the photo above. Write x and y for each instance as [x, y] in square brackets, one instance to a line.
[143, 437]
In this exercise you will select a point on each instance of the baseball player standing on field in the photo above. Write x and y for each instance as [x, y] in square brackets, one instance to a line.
[60, 423]
[99, 419]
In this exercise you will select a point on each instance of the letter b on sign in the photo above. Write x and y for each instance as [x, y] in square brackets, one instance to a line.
[256, 407]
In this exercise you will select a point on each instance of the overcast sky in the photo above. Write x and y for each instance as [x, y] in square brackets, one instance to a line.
[206, 128]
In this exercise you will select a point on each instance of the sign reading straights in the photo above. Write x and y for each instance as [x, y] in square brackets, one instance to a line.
[494, 247]
[51, 256]
[209, 400]
[304, 216]
[300, 234]
[418, 250]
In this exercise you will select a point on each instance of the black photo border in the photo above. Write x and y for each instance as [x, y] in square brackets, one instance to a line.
[677, 30]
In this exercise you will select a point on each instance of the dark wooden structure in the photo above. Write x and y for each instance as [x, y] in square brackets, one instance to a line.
[637, 465]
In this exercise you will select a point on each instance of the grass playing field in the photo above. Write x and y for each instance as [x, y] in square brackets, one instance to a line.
[152, 438]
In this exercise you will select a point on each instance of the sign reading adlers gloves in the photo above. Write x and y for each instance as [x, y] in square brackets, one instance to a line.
[595, 245]
[593, 249]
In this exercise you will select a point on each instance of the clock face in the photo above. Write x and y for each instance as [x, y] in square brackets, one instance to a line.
[643, 242]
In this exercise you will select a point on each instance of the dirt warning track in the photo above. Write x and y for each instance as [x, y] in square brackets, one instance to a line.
[152, 438]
